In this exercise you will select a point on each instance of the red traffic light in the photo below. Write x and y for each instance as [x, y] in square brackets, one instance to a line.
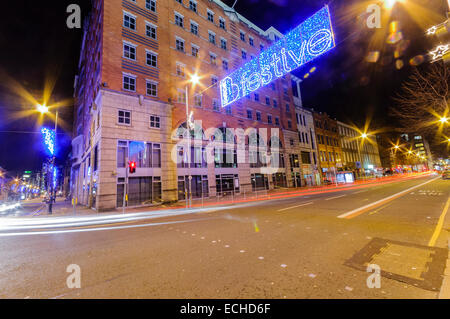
[132, 167]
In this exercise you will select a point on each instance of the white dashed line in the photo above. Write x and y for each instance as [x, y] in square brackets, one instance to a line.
[335, 197]
[281, 210]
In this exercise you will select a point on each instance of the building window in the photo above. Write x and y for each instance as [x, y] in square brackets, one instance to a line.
[250, 41]
[124, 117]
[193, 5]
[129, 51]
[249, 114]
[211, 16]
[261, 47]
[225, 65]
[179, 1]
[272, 85]
[212, 58]
[277, 121]
[212, 37]
[194, 51]
[150, 5]
[289, 124]
[129, 83]
[269, 119]
[244, 54]
[288, 109]
[228, 109]
[222, 23]
[215, 103]
[242, 35]
[152, 59]
[267, 100]
[129, 21]
[198, 100]
[179, 44]
[155, 121]
[214, 80]
[152, 88]
[181, 97]
[180, 70]
[194, 28]
[275, 103]
[258, 116]
[256, 97]
[223, 43]
[179, 20]
[150, 31]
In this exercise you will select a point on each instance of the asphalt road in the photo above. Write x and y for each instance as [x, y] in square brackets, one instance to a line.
[311, 246]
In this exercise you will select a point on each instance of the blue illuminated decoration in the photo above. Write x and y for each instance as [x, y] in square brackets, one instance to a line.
[55, 175]
[49, 140]
[307, 41]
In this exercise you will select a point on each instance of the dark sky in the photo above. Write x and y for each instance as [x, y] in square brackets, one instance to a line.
[37, 47]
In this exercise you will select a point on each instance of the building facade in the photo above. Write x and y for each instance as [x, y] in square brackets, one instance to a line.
[306, 137]
[328, 146]
[131, 90]
[359, 155]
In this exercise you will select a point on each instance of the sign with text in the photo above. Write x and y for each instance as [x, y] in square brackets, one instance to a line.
[307, 41]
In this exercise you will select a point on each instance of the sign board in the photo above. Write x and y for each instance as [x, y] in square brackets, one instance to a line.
[306, 42]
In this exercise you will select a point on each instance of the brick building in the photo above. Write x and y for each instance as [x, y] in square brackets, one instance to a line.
[328, 145]
[137, 57]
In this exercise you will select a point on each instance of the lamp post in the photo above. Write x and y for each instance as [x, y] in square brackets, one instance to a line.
[43, 109]
[194, 79]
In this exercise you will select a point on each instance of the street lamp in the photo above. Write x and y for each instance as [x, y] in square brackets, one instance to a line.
[444, 119]
[43, 109]
[194, 80]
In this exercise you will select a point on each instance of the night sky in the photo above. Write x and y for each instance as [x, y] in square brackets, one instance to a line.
[37, 47]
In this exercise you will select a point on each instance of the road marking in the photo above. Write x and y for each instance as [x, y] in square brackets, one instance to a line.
[439, 225]
[281, 210]
[363, 191]
[335, 197]
[363, 209]
[380, 209]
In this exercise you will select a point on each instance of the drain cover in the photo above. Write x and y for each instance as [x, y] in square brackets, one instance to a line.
[417, 265]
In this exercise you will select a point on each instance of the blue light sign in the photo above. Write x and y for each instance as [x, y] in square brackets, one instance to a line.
[307, 41]
[49, 140]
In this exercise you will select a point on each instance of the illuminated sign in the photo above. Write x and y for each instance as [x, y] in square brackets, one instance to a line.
[49, 140]
[307, 41]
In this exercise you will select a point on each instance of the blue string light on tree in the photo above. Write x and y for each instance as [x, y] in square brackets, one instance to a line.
[49, 140]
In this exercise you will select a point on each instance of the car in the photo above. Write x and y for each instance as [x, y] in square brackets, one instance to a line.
[446, 174]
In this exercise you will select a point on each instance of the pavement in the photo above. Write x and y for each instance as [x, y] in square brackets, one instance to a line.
[309, 244]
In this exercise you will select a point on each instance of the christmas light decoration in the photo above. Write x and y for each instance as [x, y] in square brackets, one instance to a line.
[439, 52]
[49, 140]
[306, 42]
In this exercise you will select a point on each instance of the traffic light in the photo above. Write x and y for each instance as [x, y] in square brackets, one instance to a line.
[132, 167]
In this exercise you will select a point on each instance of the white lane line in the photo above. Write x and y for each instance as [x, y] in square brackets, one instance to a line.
[281, 210]
[335, 197]
[362, 209]
[362, 191]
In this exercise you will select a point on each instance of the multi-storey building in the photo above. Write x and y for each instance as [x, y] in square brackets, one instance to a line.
[136, 61]
[359, 154]
[306, 138]
[328, 145]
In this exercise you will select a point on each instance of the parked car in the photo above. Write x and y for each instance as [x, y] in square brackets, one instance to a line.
[446, 174]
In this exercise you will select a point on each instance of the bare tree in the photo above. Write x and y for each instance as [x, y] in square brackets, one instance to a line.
[423, 99]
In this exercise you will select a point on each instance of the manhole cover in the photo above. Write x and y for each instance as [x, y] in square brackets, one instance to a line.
[417, 265]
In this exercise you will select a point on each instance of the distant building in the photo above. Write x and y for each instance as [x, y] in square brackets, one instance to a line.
[306, 138]
[360, 155]
[328, 145]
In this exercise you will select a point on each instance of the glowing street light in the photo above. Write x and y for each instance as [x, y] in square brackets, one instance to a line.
[42, 108]
[389, 4]
[363, 135]
[444, 119]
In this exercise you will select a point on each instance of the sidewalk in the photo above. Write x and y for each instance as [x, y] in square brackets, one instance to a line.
[65, 208]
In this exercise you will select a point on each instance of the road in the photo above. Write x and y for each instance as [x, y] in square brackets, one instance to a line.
[311, 246]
